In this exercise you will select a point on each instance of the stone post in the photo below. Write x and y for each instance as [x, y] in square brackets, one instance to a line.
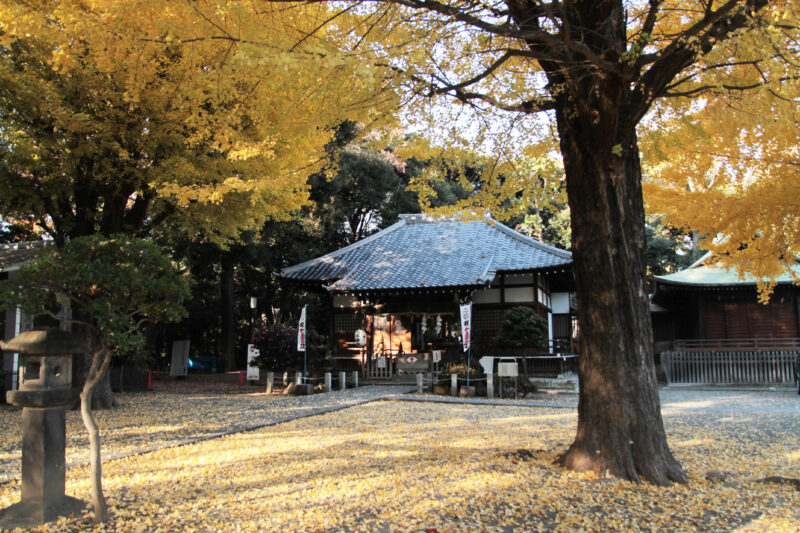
[270, 379]
[453, 384]
[328, 387]
[299, 378]
[490, 385]
[45, 391]
[355, 379]
[419, 383]
[343, 380]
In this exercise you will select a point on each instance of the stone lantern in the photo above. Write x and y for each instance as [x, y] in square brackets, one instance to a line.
[45, 391]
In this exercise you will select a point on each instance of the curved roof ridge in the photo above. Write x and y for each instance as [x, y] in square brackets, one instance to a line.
[532, 242]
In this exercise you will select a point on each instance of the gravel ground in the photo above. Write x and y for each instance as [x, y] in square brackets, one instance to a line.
[418, 466]
[176, 413]
[170, 415]
[748, 433]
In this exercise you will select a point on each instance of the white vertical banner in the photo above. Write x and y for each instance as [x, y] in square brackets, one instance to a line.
[252, 371]
[466, 325]
[301, 331]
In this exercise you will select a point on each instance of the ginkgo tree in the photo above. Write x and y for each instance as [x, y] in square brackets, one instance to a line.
[599, 71]
[118, 116]
[725, 166]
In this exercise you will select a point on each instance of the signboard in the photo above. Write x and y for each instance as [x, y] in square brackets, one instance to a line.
[411, 364]
[301, 331]
[487, 362]
[466, 325]
[180, 359]
[381, 362]
[507, 370]
[252, 371]
[437, 356]
[361, 337]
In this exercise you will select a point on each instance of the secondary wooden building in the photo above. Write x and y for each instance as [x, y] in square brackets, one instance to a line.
[707, 314]
[14, 321]
[402, 287]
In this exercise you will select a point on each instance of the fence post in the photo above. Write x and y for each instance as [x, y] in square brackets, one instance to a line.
[270, 379]
[419, 383]
[355, 379]
[328, 387]
[490, 385]
[343, 380]
[453, 384]
[299, 378]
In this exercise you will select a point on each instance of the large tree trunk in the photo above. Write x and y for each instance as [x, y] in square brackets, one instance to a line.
[228, 312]
[620, 429]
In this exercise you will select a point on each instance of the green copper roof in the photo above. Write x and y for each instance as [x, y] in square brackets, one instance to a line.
[714, 276]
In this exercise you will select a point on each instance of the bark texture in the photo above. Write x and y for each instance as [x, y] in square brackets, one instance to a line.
[620, 429]
[228, 312]
[99, 368]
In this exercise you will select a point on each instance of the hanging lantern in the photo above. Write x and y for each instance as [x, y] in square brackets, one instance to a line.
[438, 324]
[424, 324]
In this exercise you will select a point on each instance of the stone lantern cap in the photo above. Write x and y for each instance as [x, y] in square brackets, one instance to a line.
[45, 342]
[45, 367]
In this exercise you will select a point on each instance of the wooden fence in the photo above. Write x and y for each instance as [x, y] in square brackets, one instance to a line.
[730, 366]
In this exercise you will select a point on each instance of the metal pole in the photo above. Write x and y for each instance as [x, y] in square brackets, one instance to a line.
[305, 351]
[469, 357]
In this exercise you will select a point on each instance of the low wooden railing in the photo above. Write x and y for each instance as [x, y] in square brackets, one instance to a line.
[789, 343]
[730, 366]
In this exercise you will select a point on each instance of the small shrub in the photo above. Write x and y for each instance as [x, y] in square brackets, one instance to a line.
[522, 327]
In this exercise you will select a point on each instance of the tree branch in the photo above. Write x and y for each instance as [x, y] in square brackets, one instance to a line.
[696, 41]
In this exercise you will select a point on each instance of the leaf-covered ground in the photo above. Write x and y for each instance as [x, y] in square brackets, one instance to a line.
[414, 466]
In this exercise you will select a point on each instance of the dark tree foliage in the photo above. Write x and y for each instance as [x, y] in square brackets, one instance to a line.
[522, 327]
[277, 344]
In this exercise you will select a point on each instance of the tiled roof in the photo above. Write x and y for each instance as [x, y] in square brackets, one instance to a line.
[714, 275]
[13, 255]
[423, 251]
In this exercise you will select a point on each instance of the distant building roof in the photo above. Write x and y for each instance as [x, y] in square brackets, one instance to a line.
[15, 254]
[424, 251]
[714, 275]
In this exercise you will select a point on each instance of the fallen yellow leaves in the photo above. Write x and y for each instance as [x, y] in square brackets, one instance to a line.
[397, 466]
